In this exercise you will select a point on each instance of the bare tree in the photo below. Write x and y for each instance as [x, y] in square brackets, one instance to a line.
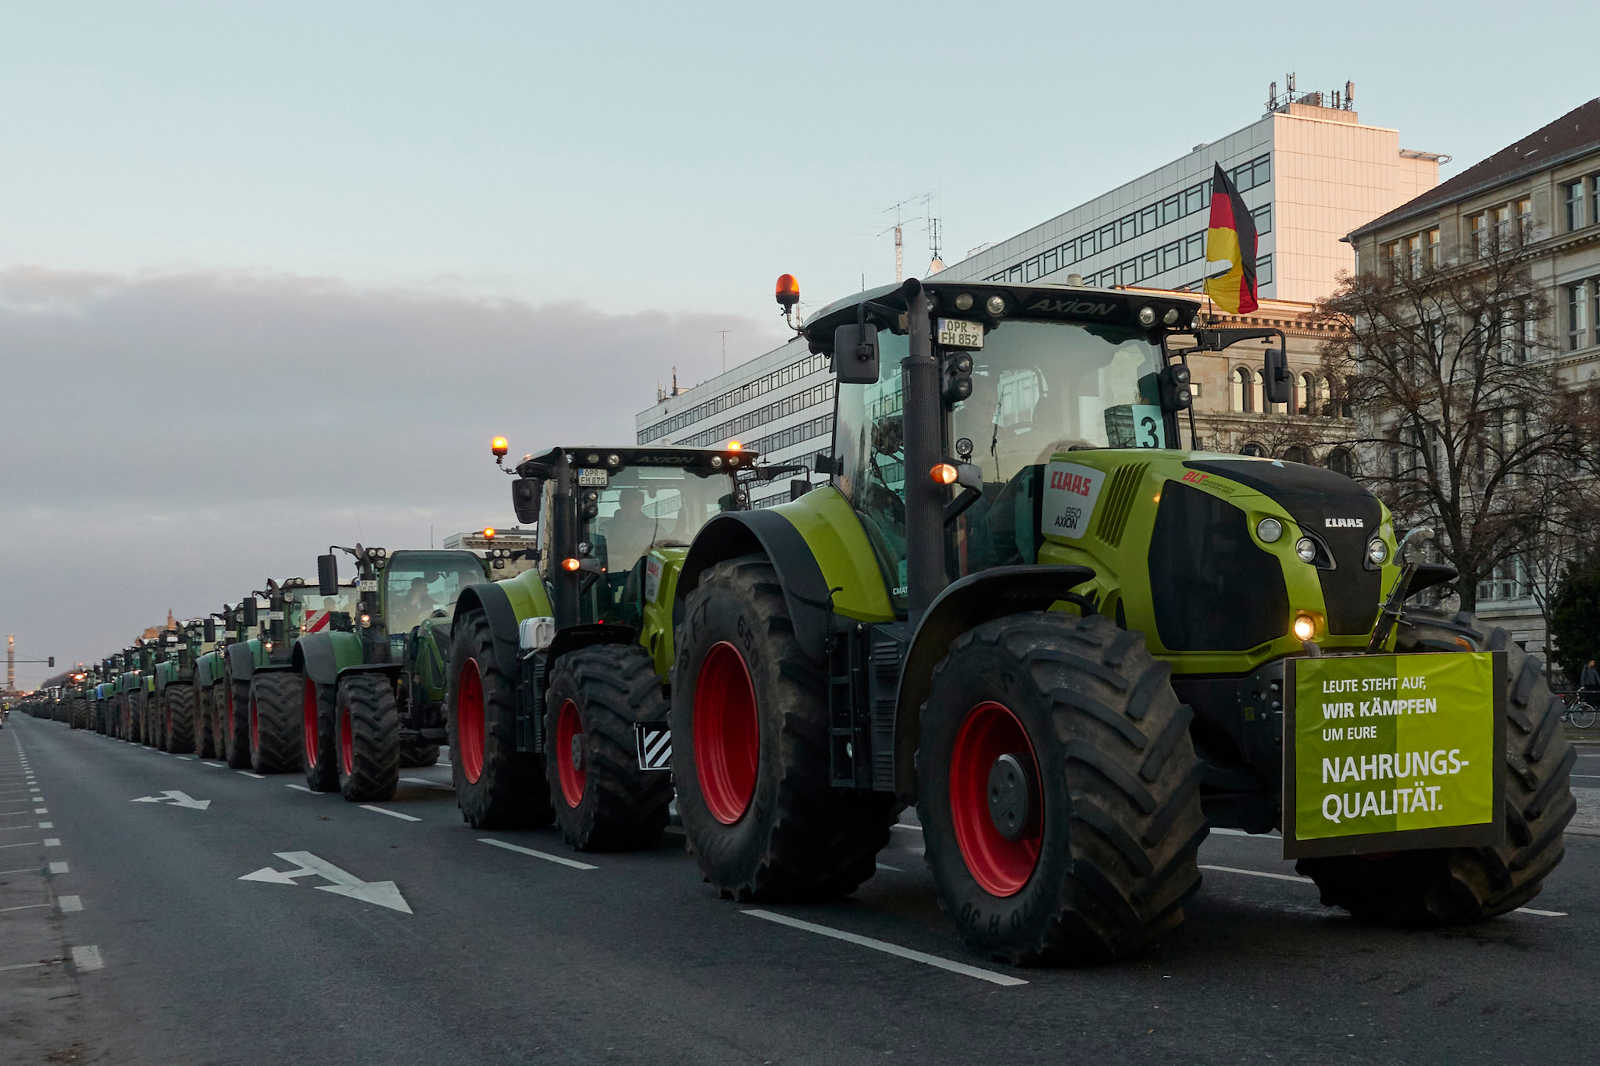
[1462, 424]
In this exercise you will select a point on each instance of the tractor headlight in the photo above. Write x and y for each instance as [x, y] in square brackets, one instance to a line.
[1306, 549]
[1147, 316]
[1269, 530]
[268, 646]
[995, 305]
[1305, 627]
[964, 302]
[716, 462]
[1171, 317]
[1377, 551]
[613, 460]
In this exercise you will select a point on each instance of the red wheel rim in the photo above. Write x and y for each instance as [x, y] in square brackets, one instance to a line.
[469, 721]
[308, 712]
[255, 724]
[727, 733]
[1000, 866]
[347, 744]
[571, 772]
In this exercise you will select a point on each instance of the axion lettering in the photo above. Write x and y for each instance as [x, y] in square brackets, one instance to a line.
[1072, 307]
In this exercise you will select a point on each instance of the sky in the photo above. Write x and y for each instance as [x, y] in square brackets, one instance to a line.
[271, 274]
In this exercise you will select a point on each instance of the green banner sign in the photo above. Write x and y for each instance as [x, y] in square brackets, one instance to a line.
[1388, 752]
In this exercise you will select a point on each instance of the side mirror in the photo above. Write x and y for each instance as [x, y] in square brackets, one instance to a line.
[798, 488]
[249, 607]
[527, 493]
[327, 575]
[855, 354]
[210, 636]
[1277, 376]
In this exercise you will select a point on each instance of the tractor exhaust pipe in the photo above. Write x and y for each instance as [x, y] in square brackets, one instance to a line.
[921, 414]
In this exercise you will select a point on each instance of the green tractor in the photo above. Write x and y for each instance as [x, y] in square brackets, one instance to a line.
[179, 722]
[212, 692]
[257, 724]
[130, 698]
[1076, 647]
[278, 688]
[568, 659]
[372, 696]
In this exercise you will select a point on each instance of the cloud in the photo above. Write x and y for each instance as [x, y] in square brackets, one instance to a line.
[172, 441]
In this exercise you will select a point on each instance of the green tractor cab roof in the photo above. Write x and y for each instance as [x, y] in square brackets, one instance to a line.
[972, 300]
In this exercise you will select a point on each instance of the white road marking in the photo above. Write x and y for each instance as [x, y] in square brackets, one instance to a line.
[52, 842]
[47, 825]
[1541, 914]
[886, 866]
[890, 949]
[1256, 873]
[41, 810]
[28, 965]
[217, 765]
[391, 814]
[12, 814]
[174, 798]
[23, 870]
[427, 784]
[382, 893]
[187, 758]
[24, 844]
[25, 907]
[557, 859]
[1219, 831]
[247, 773]
[58, 867]
[908, 828]
[299, 788]
[70, 904]
[15, 828]
[87, 958]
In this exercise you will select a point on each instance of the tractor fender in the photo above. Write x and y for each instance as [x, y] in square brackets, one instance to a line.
[241, 661]
[496, 606]
[574, 637]
[735, 533]
[392, 670]
[971, 601]
[321, 656]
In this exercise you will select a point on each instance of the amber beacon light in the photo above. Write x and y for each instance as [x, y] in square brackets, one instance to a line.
[499, 446]
[787, 291]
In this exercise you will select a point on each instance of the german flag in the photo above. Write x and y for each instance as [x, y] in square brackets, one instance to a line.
[1231, 238]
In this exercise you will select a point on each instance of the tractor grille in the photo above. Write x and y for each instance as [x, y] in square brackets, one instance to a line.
[1212, 587]
[1119, 502]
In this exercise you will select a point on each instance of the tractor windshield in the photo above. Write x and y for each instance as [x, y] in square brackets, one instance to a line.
[641, 508]
[1037, 388]
[418, 583]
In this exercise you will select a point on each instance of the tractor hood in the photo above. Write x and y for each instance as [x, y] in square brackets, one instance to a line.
[1332, 510]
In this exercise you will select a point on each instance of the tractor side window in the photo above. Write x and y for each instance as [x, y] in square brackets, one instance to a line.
[869, 441]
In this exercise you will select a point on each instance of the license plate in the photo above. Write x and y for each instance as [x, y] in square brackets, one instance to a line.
[590, 478]
[959, 333]
[274, 616]
[369, 584]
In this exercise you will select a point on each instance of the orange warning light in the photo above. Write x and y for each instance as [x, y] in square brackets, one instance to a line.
[787, 291]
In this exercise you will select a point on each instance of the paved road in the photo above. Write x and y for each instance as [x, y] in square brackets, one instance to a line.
[481, 953]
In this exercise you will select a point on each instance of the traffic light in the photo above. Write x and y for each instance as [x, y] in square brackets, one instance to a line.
[52, 660]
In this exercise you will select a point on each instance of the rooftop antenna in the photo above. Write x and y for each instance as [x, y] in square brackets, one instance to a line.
[935, 264]
[724, 349]
[898, 207]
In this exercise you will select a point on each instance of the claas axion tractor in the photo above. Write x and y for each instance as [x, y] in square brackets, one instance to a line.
[553, 672]
[1020, 605]
[372, 697]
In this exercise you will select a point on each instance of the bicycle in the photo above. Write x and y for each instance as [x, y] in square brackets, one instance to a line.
[1580, 713]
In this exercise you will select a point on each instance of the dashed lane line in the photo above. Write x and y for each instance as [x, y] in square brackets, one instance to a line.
[391, 814]
[58, 867]
[247, 773]
[70, 904]
[887, 948]
[908, 828]
[47, 825]
[300, 788]
[215, 765]
[87, 957]
[891, 869]
[41, 810]
[52, 842]
[546, 856]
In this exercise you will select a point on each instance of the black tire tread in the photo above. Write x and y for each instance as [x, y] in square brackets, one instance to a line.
[375, 739]
[179, 702]
[511, 792]
[278, 723]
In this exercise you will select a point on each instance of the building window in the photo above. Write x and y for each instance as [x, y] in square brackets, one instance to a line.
[1193, 200]
[1433, 248]
[1296, 453]
[1194, 247]
[1108, 236]
[1479, 227]
[1254, 449]
[1264, 270]
[1340, 461]
[1308, 394]
[1577, 316]
[1244, 390]
[1127, 228]
[1525, 219]
[1573, 200]
[1147, 219]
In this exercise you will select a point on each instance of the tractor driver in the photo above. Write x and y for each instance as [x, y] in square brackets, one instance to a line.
[628, 532]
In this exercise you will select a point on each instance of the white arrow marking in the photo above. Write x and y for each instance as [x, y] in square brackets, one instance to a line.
[175, 798]
[381, 893]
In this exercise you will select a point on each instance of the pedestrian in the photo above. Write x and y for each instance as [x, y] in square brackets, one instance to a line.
[1589, 683]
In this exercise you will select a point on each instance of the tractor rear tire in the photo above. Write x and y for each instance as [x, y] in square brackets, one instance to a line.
[1454, 886]
[180, 721]
[275, 742]
[750, 749]
[603, 801]
[414, 754]
[236, 723]
[1104, 852]
[368, 731]
[203, 747]
[497, 786]
[322, 748]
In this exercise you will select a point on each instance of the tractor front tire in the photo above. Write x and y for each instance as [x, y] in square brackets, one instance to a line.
[236, 723]
[497, 786]
[750, 749]
[367, 726]
[603, 801]
[275, 722]
[203, 745]
[417, 753]
[178, 729]
[1454, 886]
[1094, 853]
[322, 746]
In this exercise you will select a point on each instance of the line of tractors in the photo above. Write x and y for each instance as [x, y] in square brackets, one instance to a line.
[1018, 604]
